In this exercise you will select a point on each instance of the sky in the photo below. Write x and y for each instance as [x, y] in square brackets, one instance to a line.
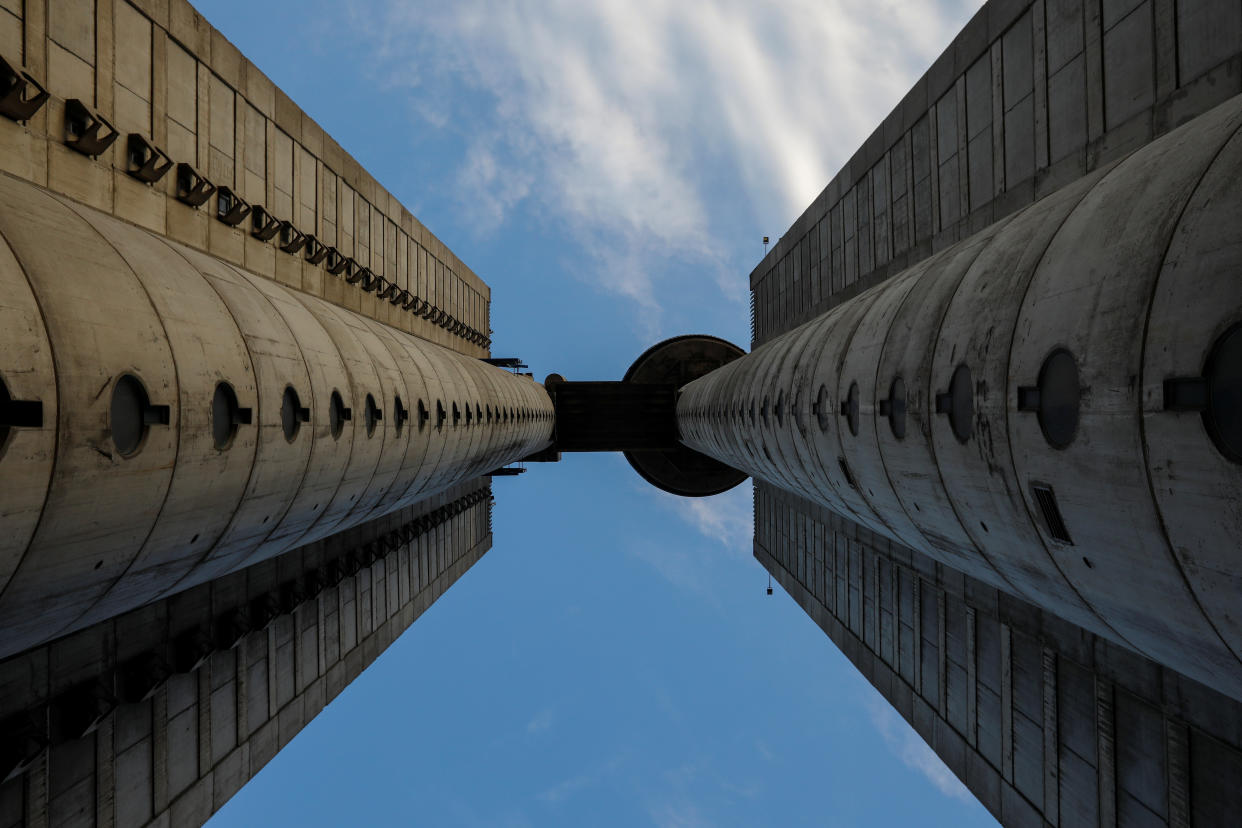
[609, 168]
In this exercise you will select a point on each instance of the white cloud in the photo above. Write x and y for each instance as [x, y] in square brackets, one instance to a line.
[541, 721]
[667, 135]
[725, 519]
[910, 748]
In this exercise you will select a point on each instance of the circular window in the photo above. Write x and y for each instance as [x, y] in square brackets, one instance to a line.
[224, 415]
[336, 415]
[126, 415]
[1223, 416]
[399, 415]
[372, 414]
[959, 404]
[821, 409]
[849, 409]
[1059, 398]
[897, 408]
[290, 413]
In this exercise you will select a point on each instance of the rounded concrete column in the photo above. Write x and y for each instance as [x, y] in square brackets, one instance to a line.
[169, 417]
[1072, 388]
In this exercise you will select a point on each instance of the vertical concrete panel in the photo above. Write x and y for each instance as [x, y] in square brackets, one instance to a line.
[1084, 305]
[1208, 32]
[207, 483]
[94, 343]
[1129, 65]
[1197, 300]
[180, 74]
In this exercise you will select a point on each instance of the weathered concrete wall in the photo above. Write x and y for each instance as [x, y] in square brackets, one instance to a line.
[1045, 723]
[926, 409]
[159, 716]
[155, 68]
[170, 448]
[1028, 97]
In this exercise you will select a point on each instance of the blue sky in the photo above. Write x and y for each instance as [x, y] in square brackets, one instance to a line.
[609, 168]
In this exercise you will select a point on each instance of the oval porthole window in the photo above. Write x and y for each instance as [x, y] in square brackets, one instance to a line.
[423, 415]
[1223, 416]
[897, 408]
[1059, 398]
[959, 403]
[290, 413]
[849, 408]
[372, 414]
[126, 418]
[399, 414]
[441, 414]
[336, 415]
[822, 414]
[456, 414]
[224, 416]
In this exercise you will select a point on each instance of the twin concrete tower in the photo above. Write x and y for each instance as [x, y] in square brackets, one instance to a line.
[248, 416]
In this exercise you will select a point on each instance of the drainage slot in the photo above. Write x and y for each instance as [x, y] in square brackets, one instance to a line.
[1047, 501]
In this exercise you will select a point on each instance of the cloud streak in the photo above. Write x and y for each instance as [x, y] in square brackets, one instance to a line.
[910, 748]
[665, 135]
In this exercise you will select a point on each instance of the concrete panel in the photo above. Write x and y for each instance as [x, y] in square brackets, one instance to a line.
[1208, 32]
[96, 341]
[28, 453]
[1129, 65]
[1198, 297]
[1091, 299]
[1067, 108]
[207, 483]
[978, 471]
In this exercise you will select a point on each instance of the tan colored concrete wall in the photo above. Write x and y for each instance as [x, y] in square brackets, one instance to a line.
[89, 528]
[157, 69]
[1132, 272]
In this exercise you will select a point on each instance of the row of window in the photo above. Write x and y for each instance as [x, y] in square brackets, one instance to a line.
[1055, 400]
[88, 132]
[132, 413]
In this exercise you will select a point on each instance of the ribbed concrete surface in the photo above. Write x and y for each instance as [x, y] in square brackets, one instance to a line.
[87, 532]
[1147, 498]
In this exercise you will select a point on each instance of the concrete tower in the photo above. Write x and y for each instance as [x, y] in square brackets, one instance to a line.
[993, 411]
[245, 421]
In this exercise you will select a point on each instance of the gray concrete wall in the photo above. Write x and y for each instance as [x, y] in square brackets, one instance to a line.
[1128, 276]
[169, 743]
[1045, 723]
[1028, 97]
[156, 68]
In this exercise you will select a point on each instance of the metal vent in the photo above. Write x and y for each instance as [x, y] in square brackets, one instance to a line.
[845, 469]
[1047, 500]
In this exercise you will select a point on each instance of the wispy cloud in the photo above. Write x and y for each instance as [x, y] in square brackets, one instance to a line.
[912, 750]
[725, 519]
[584, 780]
[541, 721]
[666, 135]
